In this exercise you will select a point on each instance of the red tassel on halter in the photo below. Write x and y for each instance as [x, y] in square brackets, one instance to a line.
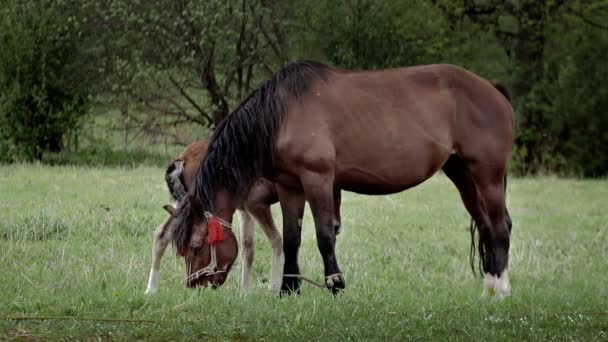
[215, 231]
[180, 252]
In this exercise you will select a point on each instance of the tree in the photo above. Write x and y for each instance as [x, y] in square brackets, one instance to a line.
[187, 61]
[525, 30]
[42, 99]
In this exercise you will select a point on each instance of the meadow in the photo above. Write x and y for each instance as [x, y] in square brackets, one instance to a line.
[75, 244]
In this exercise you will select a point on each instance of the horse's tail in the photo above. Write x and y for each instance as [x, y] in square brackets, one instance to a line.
[174, 177]
[473, 227]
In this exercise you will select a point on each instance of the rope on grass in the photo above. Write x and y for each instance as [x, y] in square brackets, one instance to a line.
[68, 318]
[306, 279]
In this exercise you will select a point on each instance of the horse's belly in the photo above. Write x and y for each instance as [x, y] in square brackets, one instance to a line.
[377, 173]
[373, 182]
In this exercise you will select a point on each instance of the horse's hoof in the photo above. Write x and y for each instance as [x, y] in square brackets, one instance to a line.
[335, 283]
[150, 291]
[290, 285]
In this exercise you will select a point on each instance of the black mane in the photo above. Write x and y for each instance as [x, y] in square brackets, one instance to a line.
[242, 145]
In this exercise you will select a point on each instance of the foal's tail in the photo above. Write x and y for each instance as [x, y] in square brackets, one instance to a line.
[175, 180]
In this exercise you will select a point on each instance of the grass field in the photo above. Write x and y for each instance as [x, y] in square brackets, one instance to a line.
[76, 241]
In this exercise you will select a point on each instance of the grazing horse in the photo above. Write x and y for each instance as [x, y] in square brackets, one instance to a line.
[179, 177]
[314, 130]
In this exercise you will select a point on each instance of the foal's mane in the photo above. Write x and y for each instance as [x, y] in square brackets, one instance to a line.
[242, 144]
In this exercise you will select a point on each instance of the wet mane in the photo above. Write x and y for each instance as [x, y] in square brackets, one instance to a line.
[242, 145]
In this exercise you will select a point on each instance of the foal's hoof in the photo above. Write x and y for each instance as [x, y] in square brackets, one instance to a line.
[335, 283]
[290, 285]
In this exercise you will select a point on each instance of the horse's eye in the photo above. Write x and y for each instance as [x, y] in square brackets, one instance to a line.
[197, 249]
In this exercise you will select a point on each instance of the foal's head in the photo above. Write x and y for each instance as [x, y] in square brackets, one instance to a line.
[206, 264]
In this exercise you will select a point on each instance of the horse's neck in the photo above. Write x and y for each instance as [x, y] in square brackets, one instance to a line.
[225, 205]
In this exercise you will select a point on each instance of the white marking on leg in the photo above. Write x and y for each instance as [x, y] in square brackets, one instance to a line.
[488, 285]
[162, 236]
[153, 281]
[502, 288]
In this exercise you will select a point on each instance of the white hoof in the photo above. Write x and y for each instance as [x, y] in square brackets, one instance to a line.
[499, 286]
[488, 285]
[502, 288]
[153, 282]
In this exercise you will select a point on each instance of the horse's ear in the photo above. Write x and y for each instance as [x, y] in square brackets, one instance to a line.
[170, 209]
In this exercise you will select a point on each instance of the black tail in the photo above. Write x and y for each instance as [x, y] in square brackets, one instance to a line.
[503, 90]
[473, 227]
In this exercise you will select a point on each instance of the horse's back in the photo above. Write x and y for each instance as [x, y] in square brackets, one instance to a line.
[384, 131]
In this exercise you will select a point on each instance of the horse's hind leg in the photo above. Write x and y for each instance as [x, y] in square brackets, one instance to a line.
[495, 238]
[483, 195]
[162, 236]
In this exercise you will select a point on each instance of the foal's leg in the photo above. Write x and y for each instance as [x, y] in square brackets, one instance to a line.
[263, 215]
[292, 207]
[162, 236]
[319, 194]
[248, 244]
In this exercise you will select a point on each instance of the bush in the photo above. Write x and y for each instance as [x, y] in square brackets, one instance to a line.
[41, 100]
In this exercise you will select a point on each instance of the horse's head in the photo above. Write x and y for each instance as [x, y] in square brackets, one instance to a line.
[208, 259]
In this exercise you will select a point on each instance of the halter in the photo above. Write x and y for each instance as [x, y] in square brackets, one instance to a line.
[212, 267]
[223, 222]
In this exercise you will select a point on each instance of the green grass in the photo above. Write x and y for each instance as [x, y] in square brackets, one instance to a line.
[76, 241]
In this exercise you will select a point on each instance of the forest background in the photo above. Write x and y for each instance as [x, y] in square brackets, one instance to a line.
[131, 82]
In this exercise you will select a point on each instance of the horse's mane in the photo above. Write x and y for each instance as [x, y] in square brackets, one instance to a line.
[242, 144]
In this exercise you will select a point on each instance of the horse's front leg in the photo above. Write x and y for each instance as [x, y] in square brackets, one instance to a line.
[319, 194]
[162, 236]
[292, 207]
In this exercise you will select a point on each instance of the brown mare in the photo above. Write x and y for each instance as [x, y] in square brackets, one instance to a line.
[179, 177]
[312, 129]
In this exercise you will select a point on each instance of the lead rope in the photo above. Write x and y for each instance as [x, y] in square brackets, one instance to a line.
[310, 281]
